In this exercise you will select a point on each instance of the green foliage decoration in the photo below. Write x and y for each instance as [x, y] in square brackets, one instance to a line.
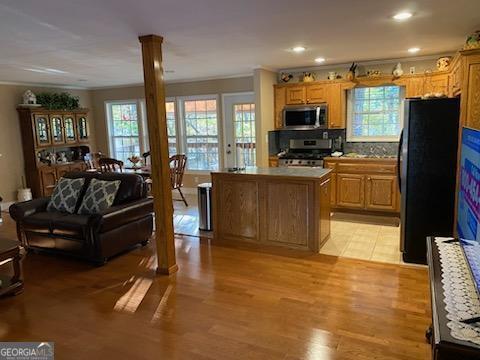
[58, 101]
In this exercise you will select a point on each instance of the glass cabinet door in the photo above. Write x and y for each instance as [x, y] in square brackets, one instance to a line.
[82, 128]
[42, 133]
[69, 124]
[56, 129]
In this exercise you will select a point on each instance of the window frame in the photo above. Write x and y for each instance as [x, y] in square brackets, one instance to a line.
[141, 119]
[181, 126]
[350, 111]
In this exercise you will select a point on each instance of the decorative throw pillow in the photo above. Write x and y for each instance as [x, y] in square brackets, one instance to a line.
[99, 196]
[65, 195]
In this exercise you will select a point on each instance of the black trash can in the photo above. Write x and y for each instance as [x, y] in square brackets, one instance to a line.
[205, 206]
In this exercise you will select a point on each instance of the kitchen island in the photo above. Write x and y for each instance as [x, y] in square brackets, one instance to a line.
[273, 206]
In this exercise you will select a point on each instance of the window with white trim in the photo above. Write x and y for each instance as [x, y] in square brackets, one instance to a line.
[199, 137]
[171, 127]
[124, 129]
[375, 113]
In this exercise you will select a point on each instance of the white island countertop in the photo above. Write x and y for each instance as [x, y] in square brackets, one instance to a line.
[302, 172]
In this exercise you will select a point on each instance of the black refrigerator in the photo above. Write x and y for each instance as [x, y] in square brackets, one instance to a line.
[427, 163]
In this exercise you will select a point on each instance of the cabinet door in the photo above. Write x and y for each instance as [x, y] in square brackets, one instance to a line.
[78, 166]
[436, 84]
[455, 81]
[83, 130]
[295, 95]
[273, 161]
[62, 170]
[315, 94]
[48, 179]
[333, 183]
[336, 106]
[70, 132]
[351, 191]
[414, 87]
[42, 130]
[279, 105]
[381, 192]
[325, 189]
[56, 129]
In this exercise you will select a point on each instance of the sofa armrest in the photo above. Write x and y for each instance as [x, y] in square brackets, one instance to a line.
[21, 210]
[116, 216]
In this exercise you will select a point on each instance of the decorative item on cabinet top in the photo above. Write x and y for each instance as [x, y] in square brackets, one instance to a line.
[472, 41]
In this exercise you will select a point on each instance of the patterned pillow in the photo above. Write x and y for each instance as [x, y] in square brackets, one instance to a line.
[65, 195]
[99, 196]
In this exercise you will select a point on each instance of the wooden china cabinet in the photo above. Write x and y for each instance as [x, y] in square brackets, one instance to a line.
[47, 135]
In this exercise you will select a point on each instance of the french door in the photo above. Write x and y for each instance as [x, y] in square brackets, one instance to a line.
[239, 128]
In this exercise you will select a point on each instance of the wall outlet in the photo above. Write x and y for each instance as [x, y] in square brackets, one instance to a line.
[412, 70]
[325, 135]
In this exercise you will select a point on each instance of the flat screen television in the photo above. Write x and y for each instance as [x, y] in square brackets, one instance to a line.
[468, 211]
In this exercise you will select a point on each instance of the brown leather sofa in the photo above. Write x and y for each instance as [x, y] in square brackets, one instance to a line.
[129, 221]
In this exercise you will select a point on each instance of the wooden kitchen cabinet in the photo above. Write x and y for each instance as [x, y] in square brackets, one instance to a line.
[436, 83]
[315, 94]
[364, 184]
[336, 112]
[351, 190]
[455, 77]
[333, 182]
[381, 192]
[414, 87]
[470, 100]
[296, 95]
[279, 104]
[325, 193]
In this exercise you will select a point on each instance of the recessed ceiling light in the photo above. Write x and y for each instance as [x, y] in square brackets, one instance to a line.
[299, 49]
[413, 50]
[319, 59]
[402, 16]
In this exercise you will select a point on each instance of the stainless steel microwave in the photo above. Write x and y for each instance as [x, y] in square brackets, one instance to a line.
[305, 117]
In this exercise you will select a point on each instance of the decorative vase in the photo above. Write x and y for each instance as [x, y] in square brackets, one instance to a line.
[443, 63]
[473, 41]
[398, 71]
[286, 77]
[308, 77]
[332, 75]
[350, 76]
[24, 195]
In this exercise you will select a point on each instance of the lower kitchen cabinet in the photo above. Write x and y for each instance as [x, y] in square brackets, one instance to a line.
[351, 191]
[381, 192]
[364, 184]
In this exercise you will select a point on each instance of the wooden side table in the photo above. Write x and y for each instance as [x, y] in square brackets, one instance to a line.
[10, 253]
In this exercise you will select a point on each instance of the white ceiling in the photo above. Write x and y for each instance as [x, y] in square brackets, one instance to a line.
[97, 40]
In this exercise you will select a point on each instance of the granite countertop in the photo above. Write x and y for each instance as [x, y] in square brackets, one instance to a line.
[313, 172]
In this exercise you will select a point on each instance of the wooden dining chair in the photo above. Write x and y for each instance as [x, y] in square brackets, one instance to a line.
[110, 165]
[177, 169]
[145, 156]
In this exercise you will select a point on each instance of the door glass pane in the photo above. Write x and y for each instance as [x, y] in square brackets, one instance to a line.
[201, 134]
[82, 128]
[244, 131]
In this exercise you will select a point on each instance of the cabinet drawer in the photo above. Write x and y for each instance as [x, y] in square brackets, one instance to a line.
[367, 168]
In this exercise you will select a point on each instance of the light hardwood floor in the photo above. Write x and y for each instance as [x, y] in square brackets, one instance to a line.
[227, 301]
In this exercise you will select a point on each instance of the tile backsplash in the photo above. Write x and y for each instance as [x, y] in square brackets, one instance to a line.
[372, 148]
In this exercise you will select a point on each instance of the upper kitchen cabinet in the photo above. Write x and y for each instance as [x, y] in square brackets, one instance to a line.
[296, 95]
[315, 94]
[336, 101]
[279, 103]
[436, 83]
[470, 100]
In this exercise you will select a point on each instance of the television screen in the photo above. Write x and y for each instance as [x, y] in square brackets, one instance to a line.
[468, 212]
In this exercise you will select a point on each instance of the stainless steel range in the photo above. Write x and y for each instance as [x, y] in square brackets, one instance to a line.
[306, 152]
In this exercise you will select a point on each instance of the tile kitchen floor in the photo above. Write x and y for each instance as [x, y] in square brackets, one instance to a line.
[353, 236]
